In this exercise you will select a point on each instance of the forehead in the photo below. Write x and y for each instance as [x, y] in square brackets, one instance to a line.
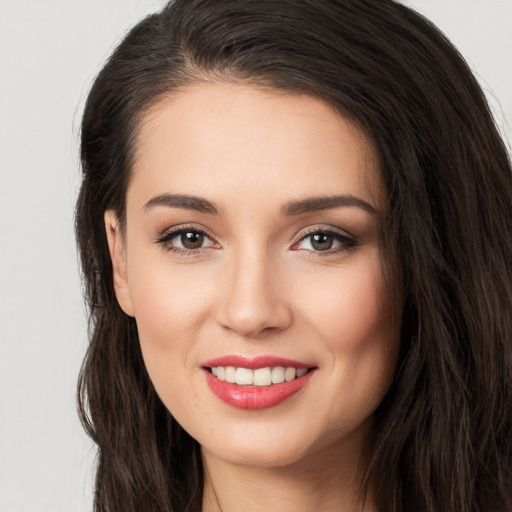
[229, 140]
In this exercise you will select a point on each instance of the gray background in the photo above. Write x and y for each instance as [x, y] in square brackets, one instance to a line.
[49, 52]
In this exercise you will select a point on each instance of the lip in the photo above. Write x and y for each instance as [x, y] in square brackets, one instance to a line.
[253, 363]
[255, 397]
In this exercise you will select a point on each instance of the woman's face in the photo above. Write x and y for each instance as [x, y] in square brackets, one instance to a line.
[252, 246]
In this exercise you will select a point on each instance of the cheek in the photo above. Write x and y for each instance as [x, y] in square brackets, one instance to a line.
[355, 320]
[352, 307]
[169, 313]
[170, 308]
[167, 299]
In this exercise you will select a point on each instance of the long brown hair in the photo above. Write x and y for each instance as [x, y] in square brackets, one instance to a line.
[443, 436]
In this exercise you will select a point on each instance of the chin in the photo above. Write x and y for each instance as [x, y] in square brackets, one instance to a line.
[277, 453]
[279, 445]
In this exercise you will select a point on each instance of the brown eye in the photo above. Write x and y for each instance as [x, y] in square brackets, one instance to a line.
[186, 241]
[326, 241]
[191, 239]
[322, 241]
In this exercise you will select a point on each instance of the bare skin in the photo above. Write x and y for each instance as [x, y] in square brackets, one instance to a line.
[307, 485]
[253, 230]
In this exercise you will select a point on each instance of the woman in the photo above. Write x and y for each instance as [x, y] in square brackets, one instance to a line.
[294, 227]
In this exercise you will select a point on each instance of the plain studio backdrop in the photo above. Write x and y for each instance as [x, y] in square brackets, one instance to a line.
[50, 50]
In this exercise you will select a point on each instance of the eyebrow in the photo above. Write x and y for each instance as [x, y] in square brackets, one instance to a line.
[316, 204]
[313, 204]
[184, 202]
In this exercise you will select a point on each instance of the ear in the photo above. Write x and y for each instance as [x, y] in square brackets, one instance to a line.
[117, 255]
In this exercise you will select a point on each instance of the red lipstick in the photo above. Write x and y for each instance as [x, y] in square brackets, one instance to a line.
[253, 363]
[255, 397]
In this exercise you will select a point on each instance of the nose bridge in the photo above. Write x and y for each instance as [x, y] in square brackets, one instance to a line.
[254, 302]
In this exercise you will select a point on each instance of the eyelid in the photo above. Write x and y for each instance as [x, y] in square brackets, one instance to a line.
[166, 235]
[179, 228]
[346, 239]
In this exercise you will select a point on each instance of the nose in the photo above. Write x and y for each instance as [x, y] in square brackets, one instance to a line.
[254, 301]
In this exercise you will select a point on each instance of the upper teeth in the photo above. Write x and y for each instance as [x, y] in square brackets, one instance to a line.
[259, 377]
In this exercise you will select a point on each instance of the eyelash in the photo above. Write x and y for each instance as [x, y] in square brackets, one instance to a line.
[346, 242]
[165, 240]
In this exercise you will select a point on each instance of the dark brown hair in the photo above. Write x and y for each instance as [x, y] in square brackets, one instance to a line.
[443, 436]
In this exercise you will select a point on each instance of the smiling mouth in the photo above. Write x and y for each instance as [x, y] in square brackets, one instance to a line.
[259, 382]
[260, 377]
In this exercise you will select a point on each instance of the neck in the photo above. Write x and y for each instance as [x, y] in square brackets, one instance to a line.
[327, 481]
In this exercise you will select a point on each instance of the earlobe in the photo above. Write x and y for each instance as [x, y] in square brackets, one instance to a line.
[116, 248]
